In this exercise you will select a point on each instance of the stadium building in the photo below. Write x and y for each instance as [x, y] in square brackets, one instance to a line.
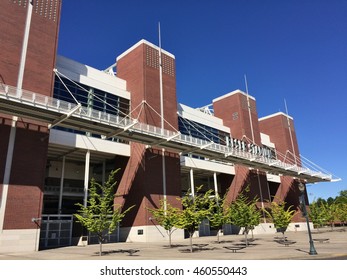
[63, 123]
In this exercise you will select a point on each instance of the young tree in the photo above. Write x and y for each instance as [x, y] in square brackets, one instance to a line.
[219, 215]
[167, 218]
[342, 213]
[195, 209]
[280, 215]
[331, 213]
[101, 214]
[341, 203]
[244, 213]
[317, 214]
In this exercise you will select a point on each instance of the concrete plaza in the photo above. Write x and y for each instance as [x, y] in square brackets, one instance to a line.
[328, 244]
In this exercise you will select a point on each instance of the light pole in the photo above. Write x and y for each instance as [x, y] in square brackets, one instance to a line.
[304, 212]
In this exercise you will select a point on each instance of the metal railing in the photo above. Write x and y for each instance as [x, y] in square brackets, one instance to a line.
[221, 152]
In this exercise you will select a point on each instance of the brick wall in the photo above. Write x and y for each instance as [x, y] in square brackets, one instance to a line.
[233, 109]
[24, 200]
[42, 45]
[277, 128]
[25, 192]
[280, 132]
[142, 182]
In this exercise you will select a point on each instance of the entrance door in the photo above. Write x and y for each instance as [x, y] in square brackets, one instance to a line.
[56, 231]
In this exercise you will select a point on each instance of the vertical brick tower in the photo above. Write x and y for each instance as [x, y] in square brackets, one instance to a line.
[280, 128]
[238, 111]
[142, 181]
[23, 143]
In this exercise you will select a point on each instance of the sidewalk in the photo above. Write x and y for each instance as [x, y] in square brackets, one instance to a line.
[264, 247]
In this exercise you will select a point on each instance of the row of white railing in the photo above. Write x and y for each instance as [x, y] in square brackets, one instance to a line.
[127, 123]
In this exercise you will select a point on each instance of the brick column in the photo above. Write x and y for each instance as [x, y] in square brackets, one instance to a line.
[23, 197]
[280, 128]
[142, 181]
[234, 109]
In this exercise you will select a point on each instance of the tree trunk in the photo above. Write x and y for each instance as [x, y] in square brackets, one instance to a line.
[100, 246]
[170, 233]
[246, 240]
[191, 241]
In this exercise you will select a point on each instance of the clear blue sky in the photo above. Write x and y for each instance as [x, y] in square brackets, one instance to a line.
[290, 50]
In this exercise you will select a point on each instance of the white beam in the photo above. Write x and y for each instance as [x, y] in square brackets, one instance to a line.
[164, 140]
[215, 185]
[7, 172]
[64, 117]
[86, 178]
[113, 134]
[61, 186]
[192, 187]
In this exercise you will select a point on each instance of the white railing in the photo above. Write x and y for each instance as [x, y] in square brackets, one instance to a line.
[222, 152]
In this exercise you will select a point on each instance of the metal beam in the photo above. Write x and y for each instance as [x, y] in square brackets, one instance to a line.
[65, 116]
[159, 142]
[291, 167]
[113, 134]
[201, 147]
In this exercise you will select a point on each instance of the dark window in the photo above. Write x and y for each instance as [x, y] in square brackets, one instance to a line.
[201, 131]
[96, 99]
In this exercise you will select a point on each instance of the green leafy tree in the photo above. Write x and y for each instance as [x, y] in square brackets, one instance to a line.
[342, 197]
[100, 214]
[195, 210]
[219, 215]
[280, 215]
[244, 213]
[342, 213]
[341, 204]
[166, 216]
[330, 200]
[331, 212]
[320, 201]
[317, 214]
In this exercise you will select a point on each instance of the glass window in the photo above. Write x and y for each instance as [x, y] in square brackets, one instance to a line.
[89, 97]
[201, 131]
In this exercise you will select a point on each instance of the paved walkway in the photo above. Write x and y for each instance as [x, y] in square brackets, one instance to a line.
[263, 247]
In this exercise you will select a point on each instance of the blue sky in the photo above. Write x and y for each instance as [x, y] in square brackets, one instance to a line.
[290, 50]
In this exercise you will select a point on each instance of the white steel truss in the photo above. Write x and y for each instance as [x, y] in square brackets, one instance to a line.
[53, 111]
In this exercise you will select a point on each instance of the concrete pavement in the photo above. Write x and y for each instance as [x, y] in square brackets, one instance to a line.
[263, 247]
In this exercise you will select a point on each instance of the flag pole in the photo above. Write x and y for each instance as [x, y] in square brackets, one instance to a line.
[162, 116]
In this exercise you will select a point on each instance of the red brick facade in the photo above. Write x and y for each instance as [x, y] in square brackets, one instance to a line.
[142, 182]
[140, 178]
[24, 200]
[277, 127]
[233, 109]
[280, 128]
[42, 45]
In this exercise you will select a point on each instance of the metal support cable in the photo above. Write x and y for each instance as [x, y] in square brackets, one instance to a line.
[84, 89]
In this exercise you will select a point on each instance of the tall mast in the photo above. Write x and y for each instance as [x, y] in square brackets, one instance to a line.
[290, 132]
[249, 110]
[252, 131]
[162, 117]
[161, 81]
